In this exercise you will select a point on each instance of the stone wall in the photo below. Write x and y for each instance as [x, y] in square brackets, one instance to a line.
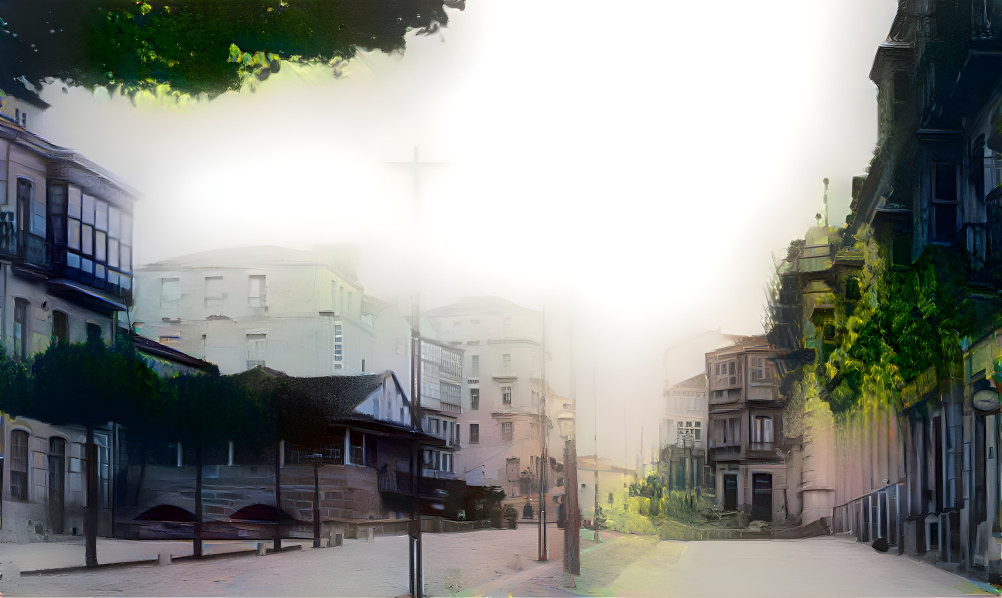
[346, 491]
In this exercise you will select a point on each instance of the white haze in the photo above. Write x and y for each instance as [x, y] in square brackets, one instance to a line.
[644, 159]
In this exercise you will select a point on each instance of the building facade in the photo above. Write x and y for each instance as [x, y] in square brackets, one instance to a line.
[503, 411]
[746, 430]
[300, 312]
[682, 436]
[65, 269]
[441, 405]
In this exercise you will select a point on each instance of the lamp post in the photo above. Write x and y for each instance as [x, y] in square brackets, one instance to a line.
[572, 529]
[317, 460]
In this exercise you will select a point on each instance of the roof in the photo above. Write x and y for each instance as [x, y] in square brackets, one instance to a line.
[56, 153]
[483, 305]
[145, 345]
[258, 256]
[338, 395]
[750, 343]
[697, 381]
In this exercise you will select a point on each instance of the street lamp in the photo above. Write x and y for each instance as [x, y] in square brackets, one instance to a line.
[572, 533]
[317, 460]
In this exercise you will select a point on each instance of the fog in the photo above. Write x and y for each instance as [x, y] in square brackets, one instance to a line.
[633, 167]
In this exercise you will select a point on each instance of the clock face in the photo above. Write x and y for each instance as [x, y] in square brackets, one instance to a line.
[985, 400]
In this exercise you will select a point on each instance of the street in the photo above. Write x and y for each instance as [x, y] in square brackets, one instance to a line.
[501, 562]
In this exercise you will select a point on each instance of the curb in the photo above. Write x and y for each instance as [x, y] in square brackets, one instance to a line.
[152, 562]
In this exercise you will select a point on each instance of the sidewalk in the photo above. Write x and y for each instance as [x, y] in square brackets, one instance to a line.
[68, 552]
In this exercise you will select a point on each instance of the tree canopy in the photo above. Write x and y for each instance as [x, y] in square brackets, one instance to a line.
[196, 46]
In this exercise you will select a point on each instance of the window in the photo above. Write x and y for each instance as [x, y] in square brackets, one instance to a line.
[87, 210]
[256, 291]
[73, 219]
[760, 369]
[256, 347]
[475, 367]
[944, 202]
[506, 431]
[506, 362]
[726, 373]
[474, 433]
[734, 430]
[338, 345]
[170, 290]
[60, 327]
[475, 399]
[22, 328]
[214, 291]
[87, 239]
[101, 245]
[506, 394]
[94, 332]
[763, 429]
[31, 208]
[19, 465]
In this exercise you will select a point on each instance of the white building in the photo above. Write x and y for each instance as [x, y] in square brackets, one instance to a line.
[682, 434]
[441, 405]
[500, 429]
[300, 312]
[65, 268]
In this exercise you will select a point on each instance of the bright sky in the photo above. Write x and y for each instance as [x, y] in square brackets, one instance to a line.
[646, 162]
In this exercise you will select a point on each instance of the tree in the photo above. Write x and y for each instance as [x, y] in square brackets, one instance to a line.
[15, 385]
[187, 45]
[206, 409]
[89, 384]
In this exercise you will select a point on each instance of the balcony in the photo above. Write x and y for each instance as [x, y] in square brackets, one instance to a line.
[23, 247]
[761, 450]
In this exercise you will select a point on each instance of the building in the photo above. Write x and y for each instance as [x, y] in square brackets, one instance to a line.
[66, 261]
[364, 456]
[300, 312]
[746, 430]
[22, 107]
[441, 405]
[503, 410]
[916, 464]
[682, 437]
[610, 480]
[933, 183]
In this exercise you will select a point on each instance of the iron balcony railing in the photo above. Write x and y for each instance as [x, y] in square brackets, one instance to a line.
[23, 247]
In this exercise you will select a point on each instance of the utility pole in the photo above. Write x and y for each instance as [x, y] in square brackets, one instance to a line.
[568, 429]
[416, 565]
[594, 385]
[544, 458]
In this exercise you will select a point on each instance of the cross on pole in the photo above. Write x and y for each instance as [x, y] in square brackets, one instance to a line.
[417, 165]
[416, 580]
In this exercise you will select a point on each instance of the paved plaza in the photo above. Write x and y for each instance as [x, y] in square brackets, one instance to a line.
[486, 563]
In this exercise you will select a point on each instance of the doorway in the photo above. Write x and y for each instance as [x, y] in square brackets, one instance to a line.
[762, 496]
[730, 491]
[57, 483]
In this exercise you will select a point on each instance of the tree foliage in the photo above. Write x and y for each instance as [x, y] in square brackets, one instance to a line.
[909, 319]
[195, 46]
[15, 384]
[90, 384]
